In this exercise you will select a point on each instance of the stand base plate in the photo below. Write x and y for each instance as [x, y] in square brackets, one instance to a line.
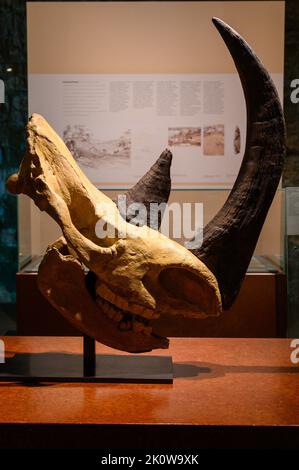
[63, 367]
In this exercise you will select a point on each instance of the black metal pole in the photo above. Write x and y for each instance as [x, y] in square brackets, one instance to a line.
[89, 356]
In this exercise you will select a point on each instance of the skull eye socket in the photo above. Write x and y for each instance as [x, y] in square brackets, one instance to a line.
[183, 284]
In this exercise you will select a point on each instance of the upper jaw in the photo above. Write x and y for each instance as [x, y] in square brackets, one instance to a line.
[123, 304]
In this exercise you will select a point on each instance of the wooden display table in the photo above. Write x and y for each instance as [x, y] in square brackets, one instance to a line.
[226, 393]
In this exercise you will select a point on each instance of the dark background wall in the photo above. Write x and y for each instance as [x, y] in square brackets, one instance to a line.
[13, 117]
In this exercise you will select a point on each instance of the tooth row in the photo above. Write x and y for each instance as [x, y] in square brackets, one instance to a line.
[104, 292]
[117, 316]
[140, 327]
[112, 312]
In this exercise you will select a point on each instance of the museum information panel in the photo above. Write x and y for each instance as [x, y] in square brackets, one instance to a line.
[133, 83]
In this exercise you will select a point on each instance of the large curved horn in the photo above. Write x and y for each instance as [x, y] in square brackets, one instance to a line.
[231, 236]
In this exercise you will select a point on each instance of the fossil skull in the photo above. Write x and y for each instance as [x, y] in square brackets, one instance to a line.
[141, 275]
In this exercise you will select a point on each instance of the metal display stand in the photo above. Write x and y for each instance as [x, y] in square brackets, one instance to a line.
[67, 367]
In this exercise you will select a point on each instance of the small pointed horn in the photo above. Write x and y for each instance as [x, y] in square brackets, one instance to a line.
[153, 187]
[231, 236]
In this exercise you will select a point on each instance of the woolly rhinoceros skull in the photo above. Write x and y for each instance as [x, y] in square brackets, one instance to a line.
[136, 273]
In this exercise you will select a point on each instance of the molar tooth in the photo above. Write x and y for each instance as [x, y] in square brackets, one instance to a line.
[118, 316]
[147, 330]
[110, 313]
[114, 315]
[121, 303]
[122, 325]
[138, 327]
[125, 325]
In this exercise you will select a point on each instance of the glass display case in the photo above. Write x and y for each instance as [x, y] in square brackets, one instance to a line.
[259, 311]
[37, 230]
[204, 109]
